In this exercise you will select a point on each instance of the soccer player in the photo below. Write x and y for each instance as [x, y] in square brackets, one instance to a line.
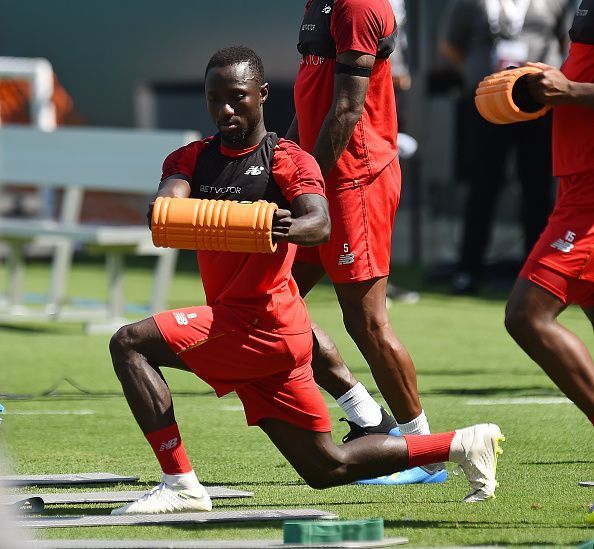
[346, 118]
[254, 335]
[560, 269]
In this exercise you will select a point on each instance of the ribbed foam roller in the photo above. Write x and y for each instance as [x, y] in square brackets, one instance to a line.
[221, 225]
[502, 97]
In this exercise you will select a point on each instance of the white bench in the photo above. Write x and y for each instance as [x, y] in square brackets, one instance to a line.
[77, 160]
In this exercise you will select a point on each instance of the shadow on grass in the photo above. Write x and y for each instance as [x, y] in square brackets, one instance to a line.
[449, 373]
[531, 391]
[486, 524]
[270, 484]
[568, 462]
[54, 329]
[87, 394]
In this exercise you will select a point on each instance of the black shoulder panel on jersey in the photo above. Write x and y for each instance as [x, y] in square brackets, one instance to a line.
[582, 29]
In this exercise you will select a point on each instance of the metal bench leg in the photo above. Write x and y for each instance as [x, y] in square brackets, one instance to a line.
[61, 264]
[164, 271]
[16, 269]
[62, 261]
[115, 296]
[115, 277]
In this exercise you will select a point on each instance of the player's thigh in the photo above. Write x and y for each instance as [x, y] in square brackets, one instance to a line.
[362, 215]
[288, 394]
[195, 334]
[536, 294]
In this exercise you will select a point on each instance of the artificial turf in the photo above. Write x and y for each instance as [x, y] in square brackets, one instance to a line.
[469, 371]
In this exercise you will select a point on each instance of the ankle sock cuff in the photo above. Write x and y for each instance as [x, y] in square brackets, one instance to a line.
[428, 449]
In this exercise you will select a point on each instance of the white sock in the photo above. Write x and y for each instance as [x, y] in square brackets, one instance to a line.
[186, 481]
[418, 426]
[360, 407]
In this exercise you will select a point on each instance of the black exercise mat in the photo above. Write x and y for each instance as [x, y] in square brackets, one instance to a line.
[254, 515]
[68, 479]
[215, 492]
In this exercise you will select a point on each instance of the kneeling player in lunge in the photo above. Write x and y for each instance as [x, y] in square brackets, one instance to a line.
[254, 336]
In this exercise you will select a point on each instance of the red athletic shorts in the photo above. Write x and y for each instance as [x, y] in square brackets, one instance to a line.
[562, 261]
[362, 219]
[271, 373]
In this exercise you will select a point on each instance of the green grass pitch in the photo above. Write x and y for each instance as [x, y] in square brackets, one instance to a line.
[466, 363]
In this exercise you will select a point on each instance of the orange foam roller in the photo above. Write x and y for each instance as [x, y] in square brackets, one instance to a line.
[502, 98]
[221, 225]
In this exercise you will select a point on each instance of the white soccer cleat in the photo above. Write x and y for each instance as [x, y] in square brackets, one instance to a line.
[476, 449]
[164, 498]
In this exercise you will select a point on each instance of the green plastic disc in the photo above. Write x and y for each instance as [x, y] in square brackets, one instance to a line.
[329, 531]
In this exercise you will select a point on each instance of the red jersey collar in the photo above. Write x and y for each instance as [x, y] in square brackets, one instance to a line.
[234, 153]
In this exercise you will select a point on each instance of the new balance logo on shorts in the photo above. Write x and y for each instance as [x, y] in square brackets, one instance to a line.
[347, 257]
[181, 319]
[254, 170]
[170, 444]
[564, 244]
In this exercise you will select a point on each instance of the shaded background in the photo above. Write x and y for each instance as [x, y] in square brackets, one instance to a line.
[140, 63]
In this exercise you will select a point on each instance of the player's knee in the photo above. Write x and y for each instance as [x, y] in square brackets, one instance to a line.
[513, 319]
[519, 321]
[354, 324]
[124, 341]
[318, 480]
[363, 326]
[327, 470]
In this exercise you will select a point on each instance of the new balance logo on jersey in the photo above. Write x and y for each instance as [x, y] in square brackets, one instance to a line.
[564, 244]
[181, 319]
[326, 9]
[254, 170]
[170, 444]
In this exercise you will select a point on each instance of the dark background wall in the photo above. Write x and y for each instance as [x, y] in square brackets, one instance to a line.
[103, 51]
[141, 62]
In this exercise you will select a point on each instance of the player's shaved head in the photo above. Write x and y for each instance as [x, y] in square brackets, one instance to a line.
[238, 54]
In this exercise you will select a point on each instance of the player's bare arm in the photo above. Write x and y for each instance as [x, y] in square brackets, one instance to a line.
[347, 106]
[175, 187]
[308, 225]
[552, 87]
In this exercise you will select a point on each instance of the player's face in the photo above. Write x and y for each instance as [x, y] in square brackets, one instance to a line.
[234, 99]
